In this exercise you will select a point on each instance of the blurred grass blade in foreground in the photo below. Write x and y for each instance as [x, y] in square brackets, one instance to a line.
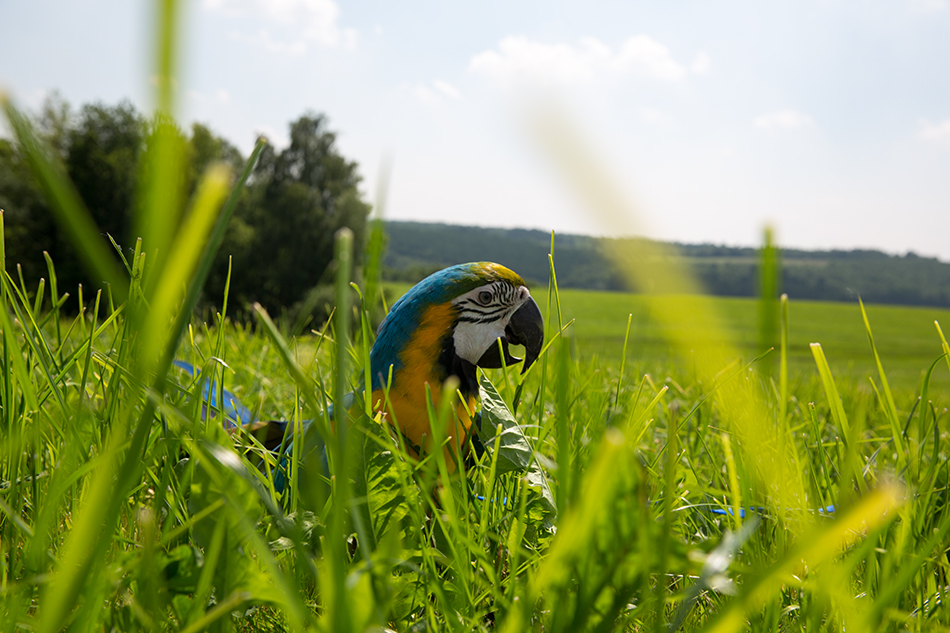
[653, 271]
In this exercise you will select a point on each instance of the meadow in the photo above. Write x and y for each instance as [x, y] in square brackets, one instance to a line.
[617, 495]
[905, 336]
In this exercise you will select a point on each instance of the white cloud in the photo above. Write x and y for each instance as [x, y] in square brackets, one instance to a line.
[278, 140]
[929, 6]
[701, 64]
[518, 58]
[939, 132]
[435, 92]
[220, 96]
[646, 56]
[264, 39]
[783, 120]
[447, 89]
[425, 94]
[301, 23]
[652, 115]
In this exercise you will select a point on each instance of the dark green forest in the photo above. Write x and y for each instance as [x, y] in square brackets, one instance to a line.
[279, 243]
[278, 246]
[415, 249]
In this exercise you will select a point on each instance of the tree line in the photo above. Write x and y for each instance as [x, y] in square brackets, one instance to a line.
[414, 249]
[279, 243]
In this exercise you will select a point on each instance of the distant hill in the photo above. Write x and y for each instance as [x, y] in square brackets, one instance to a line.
[415, 249]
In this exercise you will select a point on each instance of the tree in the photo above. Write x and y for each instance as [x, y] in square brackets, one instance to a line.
[103, 152]
[282, 237]
[26, 215]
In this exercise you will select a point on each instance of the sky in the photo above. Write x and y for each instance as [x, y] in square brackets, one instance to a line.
[828, 120]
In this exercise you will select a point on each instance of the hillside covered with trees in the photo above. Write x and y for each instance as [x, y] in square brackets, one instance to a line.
[415, 249]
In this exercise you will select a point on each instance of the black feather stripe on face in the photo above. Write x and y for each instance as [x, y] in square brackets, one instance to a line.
[452, 364]
[498, 307]
[502, 294]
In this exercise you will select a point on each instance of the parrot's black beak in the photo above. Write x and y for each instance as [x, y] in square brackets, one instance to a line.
[525, 327]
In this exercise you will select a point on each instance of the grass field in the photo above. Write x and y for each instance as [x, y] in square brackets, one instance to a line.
[612, 525]
[905, 336]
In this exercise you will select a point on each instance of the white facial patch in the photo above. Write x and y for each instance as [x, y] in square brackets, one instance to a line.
[483, 316]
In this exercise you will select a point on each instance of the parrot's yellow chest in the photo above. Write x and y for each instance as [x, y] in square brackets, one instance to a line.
[407, 410]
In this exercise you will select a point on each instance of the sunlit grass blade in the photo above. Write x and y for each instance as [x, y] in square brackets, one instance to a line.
[182, 261]
[338, 603]
[377, 238]
[623, 359]
[820, 546]
[770, 272]
[831, 391]
[575, 546]
[943, 342]
[87, 540]
[206, 260]
[162, 187]
[564, 428]
[783, 361]
[653, 270]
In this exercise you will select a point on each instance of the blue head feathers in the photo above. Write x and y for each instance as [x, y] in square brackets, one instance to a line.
[437, 289]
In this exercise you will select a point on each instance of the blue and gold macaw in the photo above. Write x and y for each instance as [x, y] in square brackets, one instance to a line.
[445, 326]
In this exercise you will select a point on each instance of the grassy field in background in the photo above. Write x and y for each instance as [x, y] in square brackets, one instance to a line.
[906, 337]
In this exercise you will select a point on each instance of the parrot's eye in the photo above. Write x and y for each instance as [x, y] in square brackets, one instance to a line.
[484, 297]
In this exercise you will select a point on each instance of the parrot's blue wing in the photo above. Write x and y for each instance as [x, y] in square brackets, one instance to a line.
[760, 510]
[236, 414]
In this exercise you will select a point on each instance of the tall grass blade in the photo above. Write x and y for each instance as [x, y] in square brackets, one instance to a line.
[182, 262]
[338, 603]
[824, 543]
[831, 391]
[769, 282]
[162, 192]
[889, 407]
[377, 238]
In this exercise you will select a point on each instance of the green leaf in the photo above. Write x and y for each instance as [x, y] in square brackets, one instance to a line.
[182, 566]
[386, 479]
[514, 452]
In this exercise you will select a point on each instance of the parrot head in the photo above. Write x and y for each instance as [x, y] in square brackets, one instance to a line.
[451, 322]
[459, 315]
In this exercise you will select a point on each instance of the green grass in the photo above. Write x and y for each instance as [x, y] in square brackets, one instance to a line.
[634, 489]
[201, 539]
